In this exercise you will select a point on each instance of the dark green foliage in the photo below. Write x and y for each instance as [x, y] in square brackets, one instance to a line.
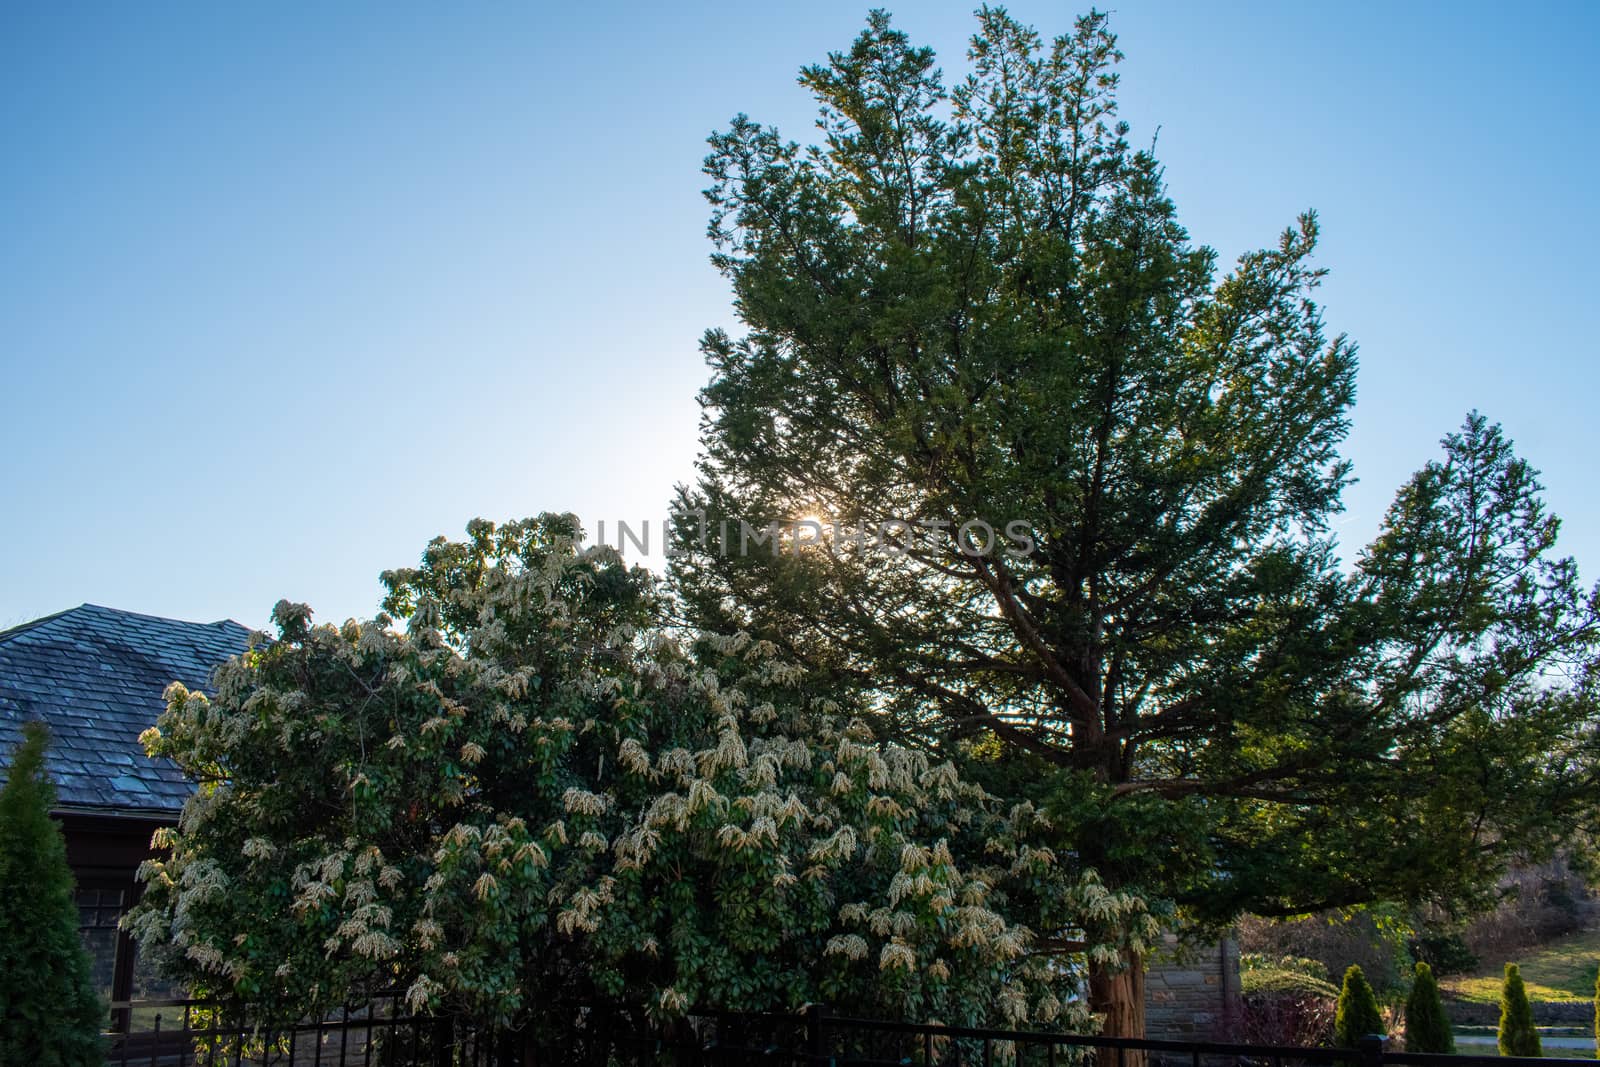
[1518, 1035]
[50, 1015]
[977, 303]
[1597, 1015]
[1427, 1025]
[1446, 953]
[1358, 1010]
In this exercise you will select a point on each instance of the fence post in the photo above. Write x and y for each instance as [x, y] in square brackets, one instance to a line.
[443, 1039]
[1371, 1048]
[816, 1032]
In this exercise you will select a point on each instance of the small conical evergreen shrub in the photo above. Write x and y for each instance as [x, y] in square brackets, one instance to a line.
[1358, 1013]
[50, 1015]
[1597, 1015]
[1517, 1034]
[1427, 1025]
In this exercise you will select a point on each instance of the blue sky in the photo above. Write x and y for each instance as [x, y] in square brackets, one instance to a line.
[286, 290]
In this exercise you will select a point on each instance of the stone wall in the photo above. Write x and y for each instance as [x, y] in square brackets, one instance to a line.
[1545, 1012]
[1192, 992]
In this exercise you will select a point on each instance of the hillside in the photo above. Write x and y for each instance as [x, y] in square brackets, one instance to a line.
[1562, 969]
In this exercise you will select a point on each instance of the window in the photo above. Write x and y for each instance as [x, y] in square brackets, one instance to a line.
[98, 912]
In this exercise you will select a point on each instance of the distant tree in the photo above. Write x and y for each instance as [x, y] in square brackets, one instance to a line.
[1358, 1014]
[50, 1015]
[1082, 489]
[530, 794]
[1427, 1025]
[1518, 1035]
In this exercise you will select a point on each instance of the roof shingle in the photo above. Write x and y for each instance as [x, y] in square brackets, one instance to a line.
[95, 677]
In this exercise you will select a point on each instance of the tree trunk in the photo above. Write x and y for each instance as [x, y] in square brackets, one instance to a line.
[1118, 995]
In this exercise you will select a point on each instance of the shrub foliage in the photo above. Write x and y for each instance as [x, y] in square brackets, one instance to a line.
[50, 1015]
[1427, 1025]
[1518, 1035]
[1287, 1000]
[1446, 952]
[1276, 975]
[1358, 1010]
[533, 792]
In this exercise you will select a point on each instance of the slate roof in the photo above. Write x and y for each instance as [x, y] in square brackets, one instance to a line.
[95, 676]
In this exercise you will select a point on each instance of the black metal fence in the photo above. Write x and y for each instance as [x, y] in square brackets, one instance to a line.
[381, 1033]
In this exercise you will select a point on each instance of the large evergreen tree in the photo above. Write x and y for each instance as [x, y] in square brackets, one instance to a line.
[50, 1015]
[978, 304]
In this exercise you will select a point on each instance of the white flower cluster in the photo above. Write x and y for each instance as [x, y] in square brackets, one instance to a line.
[634, 766]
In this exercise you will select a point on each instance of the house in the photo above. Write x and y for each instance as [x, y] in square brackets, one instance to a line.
[95, 676]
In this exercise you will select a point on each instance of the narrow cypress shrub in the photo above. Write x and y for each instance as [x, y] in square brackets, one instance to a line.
[1358, 1013]
[1518, 1037]
[50, 1015]
[1427, 1025]
[1597, 1015]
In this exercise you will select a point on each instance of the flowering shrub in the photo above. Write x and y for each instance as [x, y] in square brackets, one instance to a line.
[533, 792]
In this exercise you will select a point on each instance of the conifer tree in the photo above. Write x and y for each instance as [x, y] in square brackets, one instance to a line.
[1064, 494]
[1518, 1036]
[1597, 1015]
[1358, 1014]
[50, 1015]
[1427, 1025]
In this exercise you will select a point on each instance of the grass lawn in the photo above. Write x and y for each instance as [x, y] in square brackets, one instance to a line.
[1558, 970]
